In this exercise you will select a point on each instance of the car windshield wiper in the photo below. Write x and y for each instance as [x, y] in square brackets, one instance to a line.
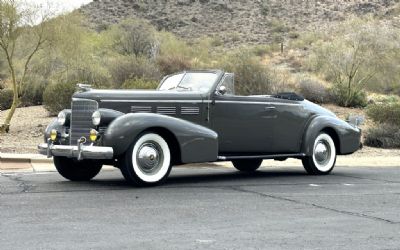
[182, 87]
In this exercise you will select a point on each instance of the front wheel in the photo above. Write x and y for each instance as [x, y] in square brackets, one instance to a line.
[75, 170]
[147, 162]
[247, 165]
[323, 157]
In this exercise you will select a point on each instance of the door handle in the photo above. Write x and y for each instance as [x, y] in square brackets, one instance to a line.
[269, 108]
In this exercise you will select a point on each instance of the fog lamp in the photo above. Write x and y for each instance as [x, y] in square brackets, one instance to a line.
[93, 135]
[53, 134]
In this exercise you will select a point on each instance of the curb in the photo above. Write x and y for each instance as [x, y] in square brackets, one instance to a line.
[23, 162]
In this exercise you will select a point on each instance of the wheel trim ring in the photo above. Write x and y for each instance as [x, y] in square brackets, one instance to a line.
[166, 158]
[329, 164]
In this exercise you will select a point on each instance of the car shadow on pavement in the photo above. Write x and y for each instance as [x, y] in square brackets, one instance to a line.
[232, 177]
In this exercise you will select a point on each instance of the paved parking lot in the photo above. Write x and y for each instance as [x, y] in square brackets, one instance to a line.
[204, 208]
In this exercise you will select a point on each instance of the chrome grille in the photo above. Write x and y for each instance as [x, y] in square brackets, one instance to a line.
[81, 119]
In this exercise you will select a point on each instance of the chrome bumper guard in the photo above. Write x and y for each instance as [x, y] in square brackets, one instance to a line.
[80, 151]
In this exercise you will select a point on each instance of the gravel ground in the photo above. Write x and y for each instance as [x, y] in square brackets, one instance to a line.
[26, 130]
[29, 123]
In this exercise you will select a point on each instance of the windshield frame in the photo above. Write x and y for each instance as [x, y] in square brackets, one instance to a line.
[219, 74]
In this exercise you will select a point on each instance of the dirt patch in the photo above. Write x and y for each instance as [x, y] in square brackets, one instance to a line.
[26, 130]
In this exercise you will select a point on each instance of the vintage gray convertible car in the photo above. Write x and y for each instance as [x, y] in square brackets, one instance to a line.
[193, 116]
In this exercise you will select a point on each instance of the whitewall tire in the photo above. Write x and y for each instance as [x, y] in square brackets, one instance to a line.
[147, 161]
[323, 157]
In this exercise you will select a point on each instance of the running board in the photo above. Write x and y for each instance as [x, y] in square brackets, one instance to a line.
[239, 157]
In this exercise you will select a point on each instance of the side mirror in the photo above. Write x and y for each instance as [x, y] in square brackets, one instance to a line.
[221, 90]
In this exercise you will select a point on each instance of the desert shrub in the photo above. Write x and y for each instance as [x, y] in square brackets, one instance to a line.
[32, 92]
[57, 97]
[314, 91]
[139, 83]
[251, 77]
[125, 68]
[135, 37]
[385, 113]
[383, 136]
[6, 98]
[172, 63]
[342, 96]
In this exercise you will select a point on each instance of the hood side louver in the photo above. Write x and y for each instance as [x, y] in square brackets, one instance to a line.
[141, 109]
[190, 110]
[166, 110]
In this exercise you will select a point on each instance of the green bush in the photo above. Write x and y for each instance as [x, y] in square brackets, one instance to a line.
[355, 99]
[314, 91]
[172, 64]
[6, 98]
[32, 92]
[383, 136]
[139, 83]
[135, 37]
[57, 97]
[385, 113]
[251, 77]
[126, 68]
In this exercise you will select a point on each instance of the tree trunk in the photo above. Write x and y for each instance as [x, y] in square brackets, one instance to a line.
[5, 127]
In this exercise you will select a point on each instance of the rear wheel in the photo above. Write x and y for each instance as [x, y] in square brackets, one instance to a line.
[147, 162]
[323, 157]
[247, 165]
[75, 170]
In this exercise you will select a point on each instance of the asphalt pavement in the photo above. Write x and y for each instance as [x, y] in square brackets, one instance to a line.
[204, 208]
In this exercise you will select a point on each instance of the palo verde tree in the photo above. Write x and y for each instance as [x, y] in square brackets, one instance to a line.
[354, 57]
[18, 22]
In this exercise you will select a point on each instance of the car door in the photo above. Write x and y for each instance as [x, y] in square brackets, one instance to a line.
[244, 123]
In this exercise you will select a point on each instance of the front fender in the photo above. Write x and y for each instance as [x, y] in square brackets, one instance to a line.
[346, 136]
[196, 143]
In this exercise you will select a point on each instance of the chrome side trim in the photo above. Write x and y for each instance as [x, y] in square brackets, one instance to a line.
[276, 156]
[261, 103]
[159, 101]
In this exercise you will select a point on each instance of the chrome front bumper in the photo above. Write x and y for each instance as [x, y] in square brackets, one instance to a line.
[80, 151]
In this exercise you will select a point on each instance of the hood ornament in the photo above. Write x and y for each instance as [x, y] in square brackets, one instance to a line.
[83, 87]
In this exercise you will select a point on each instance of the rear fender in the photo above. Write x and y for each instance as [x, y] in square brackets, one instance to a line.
[196, 143]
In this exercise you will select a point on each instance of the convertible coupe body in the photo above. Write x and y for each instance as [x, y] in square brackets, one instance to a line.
[193, 116]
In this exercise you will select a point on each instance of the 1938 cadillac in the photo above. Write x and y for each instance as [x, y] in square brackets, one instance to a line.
[192, 117]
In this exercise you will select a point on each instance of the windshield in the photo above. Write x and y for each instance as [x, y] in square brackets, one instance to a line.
[190, 81]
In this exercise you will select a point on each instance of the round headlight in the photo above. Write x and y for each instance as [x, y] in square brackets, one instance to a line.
[96, 118]
[62, 118]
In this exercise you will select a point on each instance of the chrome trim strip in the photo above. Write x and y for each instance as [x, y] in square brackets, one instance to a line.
[236, 157]
[262, 103]
[159, 101]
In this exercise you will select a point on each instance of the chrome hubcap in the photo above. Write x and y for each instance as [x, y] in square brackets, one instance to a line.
[149, 157]
[322, 152]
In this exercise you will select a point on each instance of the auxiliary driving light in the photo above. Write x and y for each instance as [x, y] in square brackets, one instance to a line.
[93, 135]
[53, 134]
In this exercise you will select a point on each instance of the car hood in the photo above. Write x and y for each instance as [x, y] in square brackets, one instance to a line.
[142, 95]
[314, 108]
